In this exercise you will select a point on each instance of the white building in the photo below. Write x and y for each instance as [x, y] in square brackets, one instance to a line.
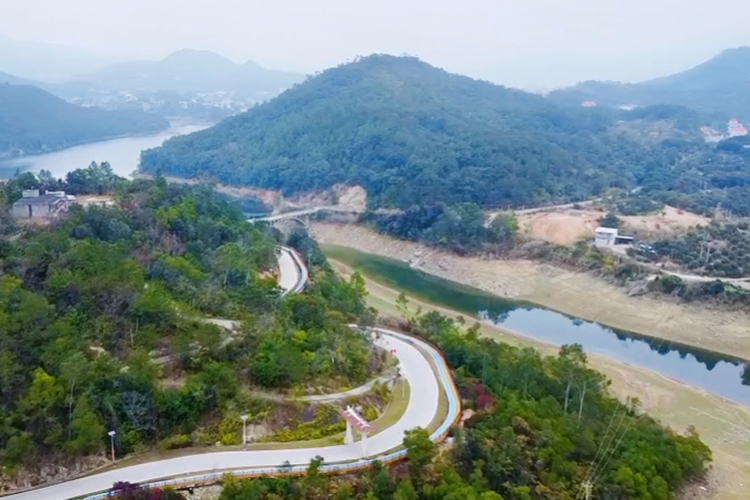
[605, 236]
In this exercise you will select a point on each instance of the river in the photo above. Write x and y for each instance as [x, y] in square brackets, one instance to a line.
[713, 372]
[122, 154]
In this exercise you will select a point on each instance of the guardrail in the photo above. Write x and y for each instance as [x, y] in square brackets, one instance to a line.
[438, 435]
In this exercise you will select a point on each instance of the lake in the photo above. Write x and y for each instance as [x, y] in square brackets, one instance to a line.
[123, 154]
[711, 371]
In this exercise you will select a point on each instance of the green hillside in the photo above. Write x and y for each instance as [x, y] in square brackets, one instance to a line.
[35, 121]
[410, 134]
[101, 326]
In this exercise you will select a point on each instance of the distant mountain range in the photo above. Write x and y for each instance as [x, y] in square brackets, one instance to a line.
[193, 84]
[720, 86]
[46, 62]
[35, 121]
[191, 70]
[14, 80]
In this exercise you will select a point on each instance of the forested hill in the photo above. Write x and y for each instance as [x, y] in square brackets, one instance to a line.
[100, 325]
[35, 121]
[411, 134]
[719, 85]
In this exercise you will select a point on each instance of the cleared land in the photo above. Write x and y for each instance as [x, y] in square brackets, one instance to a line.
[567, 225]
[570, 292]
[723, 425]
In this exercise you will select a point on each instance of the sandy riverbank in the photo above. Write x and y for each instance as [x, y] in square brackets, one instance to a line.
[722, 424]
[574, 293]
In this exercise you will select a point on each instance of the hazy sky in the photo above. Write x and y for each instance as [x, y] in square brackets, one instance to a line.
[529, 43]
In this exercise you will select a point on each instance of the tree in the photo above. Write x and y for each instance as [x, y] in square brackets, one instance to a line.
[402, 305]
[610, 220]
[41, 407]
[87, 431]
[420, 451]
[571, 363]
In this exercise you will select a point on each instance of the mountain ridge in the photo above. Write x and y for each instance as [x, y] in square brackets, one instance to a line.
[718, 86]
[193, 70]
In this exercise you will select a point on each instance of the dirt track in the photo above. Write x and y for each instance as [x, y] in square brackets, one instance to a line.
[574, 293]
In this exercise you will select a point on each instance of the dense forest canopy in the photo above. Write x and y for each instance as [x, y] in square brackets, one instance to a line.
[35, 121]
[412, 134]
[102, 326]
[409, 133]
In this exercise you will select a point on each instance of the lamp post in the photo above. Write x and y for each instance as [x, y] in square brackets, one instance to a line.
[244, 430]
[112, 443]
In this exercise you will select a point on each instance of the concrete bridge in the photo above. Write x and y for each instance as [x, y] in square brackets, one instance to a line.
[298, 219]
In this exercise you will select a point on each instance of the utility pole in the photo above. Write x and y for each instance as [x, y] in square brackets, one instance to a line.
[244, 431]
[112, 443]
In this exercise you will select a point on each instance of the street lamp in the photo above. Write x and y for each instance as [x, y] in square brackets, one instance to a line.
[112, 442]
[244, 430]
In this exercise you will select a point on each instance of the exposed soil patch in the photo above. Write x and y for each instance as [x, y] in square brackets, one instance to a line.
[344, 196]
[568, 225]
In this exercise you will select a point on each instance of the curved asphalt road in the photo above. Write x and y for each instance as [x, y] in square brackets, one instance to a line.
[422, 407]
[290, 274]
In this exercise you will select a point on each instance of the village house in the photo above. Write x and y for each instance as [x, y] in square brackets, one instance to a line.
[46, 206]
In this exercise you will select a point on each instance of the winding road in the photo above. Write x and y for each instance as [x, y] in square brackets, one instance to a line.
[412, 355]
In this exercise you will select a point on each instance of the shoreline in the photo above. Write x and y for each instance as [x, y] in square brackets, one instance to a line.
[9, 161]
[4, 159]
[568, 292]
[723, 424]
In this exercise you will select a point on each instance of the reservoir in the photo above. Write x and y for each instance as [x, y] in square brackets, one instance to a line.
[122, 154]
[713, 372]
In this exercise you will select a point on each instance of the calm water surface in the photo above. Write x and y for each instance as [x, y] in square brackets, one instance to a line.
[123, 154]
[713, 372]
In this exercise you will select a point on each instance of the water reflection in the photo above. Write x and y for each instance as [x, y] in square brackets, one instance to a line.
[714, 372]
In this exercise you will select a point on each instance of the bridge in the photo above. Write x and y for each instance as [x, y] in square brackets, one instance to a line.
[286, 222]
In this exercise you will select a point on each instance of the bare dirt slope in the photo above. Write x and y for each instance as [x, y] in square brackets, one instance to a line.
[574, 293]
[566, 226]
[563, 227]
[671, 220]
[352, 198]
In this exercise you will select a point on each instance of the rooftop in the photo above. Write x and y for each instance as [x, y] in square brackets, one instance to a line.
[38, 200]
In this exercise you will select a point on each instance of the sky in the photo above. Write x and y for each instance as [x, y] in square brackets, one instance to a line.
[531, 44]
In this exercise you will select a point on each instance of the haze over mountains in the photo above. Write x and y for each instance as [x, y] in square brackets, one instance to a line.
[194, 84]
[191, 70]
[720, 86]
[46, 62]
